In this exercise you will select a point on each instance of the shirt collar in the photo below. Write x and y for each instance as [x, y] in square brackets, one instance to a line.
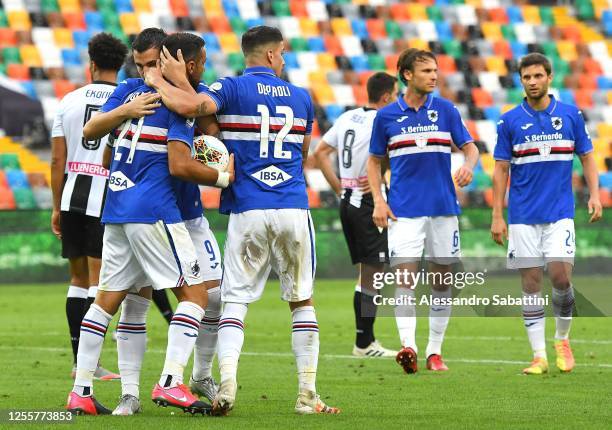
[403, 106]
[549, 109]
[259, 69]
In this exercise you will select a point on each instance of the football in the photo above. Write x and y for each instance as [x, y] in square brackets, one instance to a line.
[211, 151]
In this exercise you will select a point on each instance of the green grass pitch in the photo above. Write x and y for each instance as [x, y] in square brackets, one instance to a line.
[483, 389]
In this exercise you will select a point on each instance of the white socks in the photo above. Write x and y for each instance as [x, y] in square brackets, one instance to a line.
[206, 344]
[92, 291]
[93, 329]
[182, 335]
[405, 318]
[231, 338]
[438, 321]
[132, 341]
[563, 305]
[305, 345]
[535, 323]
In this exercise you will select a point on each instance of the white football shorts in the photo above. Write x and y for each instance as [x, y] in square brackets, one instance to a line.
[437, 236]
[206, 248]
[137, 255]
[261, 240]
[536, 245]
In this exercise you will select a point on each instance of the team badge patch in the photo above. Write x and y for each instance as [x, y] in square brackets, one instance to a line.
[195, 268]
[557, 122]
[421, 141]
[216, 86]
[432, 115]
[545, 149]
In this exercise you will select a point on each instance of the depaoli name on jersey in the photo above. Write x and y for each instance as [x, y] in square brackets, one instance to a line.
[542, 137]
[273, 90]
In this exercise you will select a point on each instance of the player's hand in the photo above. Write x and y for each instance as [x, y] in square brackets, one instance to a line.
[230, 169]
[153, 76]
[55, 223]
[463, 176]
[144, 104]
[595, 209]
[172, 69]
[499, 230]
[364, 185]
[381, 214]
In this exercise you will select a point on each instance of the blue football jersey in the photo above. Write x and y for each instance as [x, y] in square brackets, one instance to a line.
[140, 185]
[540, 147]
[419, 146]
[263, 121]
[187, 193]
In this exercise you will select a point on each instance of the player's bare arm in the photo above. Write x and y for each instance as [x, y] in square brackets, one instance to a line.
[107, 157]
[58, 166]
[381, 209]
[305, 148]
[591, 176]
[184, 103]
[322, 153]
[183, 166]
[499, 230]
[465, 173]
[103, 123]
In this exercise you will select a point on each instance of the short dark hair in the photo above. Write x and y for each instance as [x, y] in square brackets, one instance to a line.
[148, 38]
[258, 36]
[379, 84]
[534, 59]
[410, 56]
[189, 44]
[106, 51]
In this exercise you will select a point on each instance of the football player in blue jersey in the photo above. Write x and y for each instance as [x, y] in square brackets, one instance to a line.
[146, 242]
[146, 48]
[266, 122]
[417, 133]
[536, 143]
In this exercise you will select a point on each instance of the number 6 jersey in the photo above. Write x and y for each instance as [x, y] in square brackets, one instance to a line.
[263, 121]
[85, 178]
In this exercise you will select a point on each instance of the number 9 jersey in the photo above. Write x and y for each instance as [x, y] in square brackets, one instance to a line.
[263, 121]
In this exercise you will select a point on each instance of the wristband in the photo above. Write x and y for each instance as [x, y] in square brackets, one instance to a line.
[222, 180]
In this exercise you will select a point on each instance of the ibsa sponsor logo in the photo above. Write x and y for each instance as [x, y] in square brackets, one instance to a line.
[271, 176]
[119, 182]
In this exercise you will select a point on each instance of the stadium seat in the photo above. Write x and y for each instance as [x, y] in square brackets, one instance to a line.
[18, 72]
[19, 20]
[7, 200]
[16, 178]
[62, 87]
[8, 37]
[24, 198]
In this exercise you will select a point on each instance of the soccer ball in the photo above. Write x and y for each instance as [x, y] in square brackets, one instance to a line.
[211, 151]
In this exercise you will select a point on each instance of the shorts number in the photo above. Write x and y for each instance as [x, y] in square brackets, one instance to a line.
[264, 136]
[347, 148]
[456, 239]
[570, 240]
[210, 250]
[90, 144]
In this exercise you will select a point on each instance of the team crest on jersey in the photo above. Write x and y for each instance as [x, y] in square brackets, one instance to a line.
[216, 86]
[195, 268]
[271, 176]
[432, 115]
[421, 141]
[545, 149]
[557, 122]
[119, 182]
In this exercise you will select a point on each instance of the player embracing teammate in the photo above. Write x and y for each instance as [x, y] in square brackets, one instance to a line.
[266, 122]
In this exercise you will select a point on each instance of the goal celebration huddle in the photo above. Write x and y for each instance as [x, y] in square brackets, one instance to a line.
[128, 159]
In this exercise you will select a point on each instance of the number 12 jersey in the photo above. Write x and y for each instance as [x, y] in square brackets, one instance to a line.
[263, 121]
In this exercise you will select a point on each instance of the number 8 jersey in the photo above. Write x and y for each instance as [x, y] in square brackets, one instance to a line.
[263, 121]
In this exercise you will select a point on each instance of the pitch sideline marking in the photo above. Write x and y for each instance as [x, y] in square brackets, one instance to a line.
[327, 356]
